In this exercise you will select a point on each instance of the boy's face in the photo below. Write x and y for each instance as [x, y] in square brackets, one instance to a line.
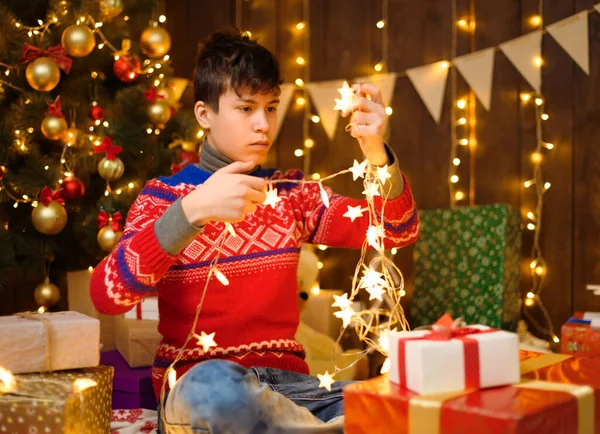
[244, 127]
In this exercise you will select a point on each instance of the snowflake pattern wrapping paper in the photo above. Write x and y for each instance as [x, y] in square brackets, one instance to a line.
[467, 265]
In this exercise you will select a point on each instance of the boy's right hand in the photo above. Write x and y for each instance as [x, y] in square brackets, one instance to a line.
[227, 196]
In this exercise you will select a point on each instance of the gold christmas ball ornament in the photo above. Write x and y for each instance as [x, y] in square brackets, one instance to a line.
[78, 40]
[188, 146]
[108, 238]
[159, 112]
[42, 74]
[71, 136]
[155, 41]
[49, 220]
[110, 9]
[111, 170]
[53, 127]
[46, 294]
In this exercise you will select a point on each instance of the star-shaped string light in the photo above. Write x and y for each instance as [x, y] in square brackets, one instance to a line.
[383, 174]
[172, 378]
[371, 190]
[375, 292]
[372, 278]
[354, 212]
[324, 195]
[358, 170]
[345, 315]
[229, 228]
[341, 301]
[346, 100]
[206, 341]
[326, 380]
[220, 276]
[272, 198]
[374, 235]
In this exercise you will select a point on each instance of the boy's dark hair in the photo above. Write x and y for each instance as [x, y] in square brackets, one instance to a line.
[229, 59]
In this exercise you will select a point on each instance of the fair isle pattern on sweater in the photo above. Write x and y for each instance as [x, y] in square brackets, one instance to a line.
[254, 318]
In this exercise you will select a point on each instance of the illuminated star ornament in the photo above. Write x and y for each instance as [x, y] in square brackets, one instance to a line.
[383, 174]
[341, 301]
[347, 99]
[206, 341]
[229, 228]
[345, 315]
[220, 276]
[371, 191]
[354, 212]
[272, 198]
[326, 380]
[358, 170]
[324, 196]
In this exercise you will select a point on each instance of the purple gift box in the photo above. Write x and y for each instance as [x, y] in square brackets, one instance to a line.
[132, 387]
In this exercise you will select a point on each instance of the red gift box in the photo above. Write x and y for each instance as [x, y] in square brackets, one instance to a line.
[557, 394]
[580, 337]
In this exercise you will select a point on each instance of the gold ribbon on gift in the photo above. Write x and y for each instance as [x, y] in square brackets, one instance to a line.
[424, 411]
[48, 331]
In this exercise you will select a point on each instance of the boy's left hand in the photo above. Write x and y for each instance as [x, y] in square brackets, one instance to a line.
[368, 123]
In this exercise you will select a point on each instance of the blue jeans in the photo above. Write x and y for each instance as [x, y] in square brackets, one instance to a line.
[222, 397]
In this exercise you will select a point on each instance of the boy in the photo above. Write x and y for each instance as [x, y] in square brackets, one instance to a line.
[253, 380]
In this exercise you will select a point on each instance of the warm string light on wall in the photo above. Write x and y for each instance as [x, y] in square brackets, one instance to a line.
[303, 101]
[538, 267]
[462, 116]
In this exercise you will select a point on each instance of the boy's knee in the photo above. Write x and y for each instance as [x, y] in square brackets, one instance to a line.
[219, 394]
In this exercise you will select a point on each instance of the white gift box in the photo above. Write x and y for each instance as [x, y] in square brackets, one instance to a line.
[49, 341]
[485, 358]
[593, 318]
[147, 309]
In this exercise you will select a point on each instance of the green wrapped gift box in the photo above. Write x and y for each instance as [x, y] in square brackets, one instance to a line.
[467, 264]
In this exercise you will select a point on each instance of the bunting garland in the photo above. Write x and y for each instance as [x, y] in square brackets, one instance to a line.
[524, 52]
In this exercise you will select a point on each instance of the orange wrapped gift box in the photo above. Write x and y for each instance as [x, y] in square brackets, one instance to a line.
[557, 394]
[581, 335]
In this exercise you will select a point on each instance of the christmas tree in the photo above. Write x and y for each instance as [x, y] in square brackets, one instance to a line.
[88, 114]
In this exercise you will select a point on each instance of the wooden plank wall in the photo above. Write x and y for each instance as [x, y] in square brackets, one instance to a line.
[345, 43]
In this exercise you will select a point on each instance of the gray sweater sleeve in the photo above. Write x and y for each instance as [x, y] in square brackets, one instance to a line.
[173, 230]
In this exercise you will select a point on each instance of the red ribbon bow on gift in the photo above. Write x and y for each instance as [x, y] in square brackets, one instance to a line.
[54, 108]
[47, 196]
[445, 333]
[115, 220]
[442, 333]
[56, 53]
[151, 95]
[107, 146]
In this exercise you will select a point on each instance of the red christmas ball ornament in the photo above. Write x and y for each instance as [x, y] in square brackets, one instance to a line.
[127, 67]
[73, 188]
[1, 172]
[97, 113]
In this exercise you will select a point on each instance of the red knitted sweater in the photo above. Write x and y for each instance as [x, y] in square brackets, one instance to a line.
[255, 317]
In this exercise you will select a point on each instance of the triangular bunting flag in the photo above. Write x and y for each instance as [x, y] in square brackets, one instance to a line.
[430, 83]
[478, 71]
[285, 97]
[322, 95]
[525, 53]
[385, 82]
[572, 34]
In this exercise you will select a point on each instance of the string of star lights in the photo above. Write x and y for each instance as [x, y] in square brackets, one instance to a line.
[537, 265]
[462, 114]
[379, 285]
